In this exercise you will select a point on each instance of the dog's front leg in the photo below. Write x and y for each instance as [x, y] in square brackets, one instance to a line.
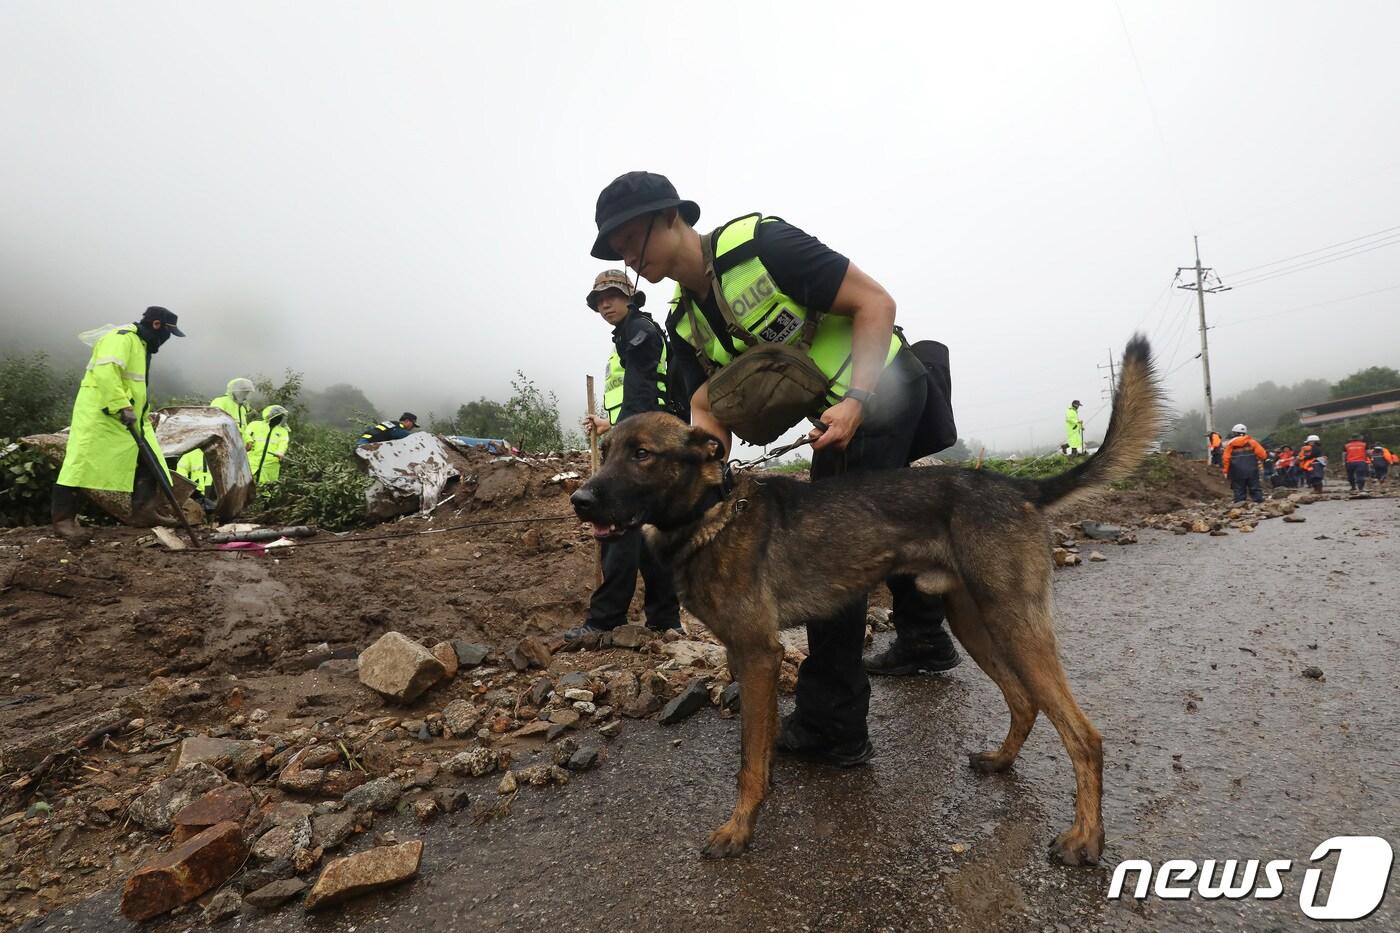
[756, 668]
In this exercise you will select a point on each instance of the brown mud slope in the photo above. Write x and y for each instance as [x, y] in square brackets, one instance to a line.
[262, 650]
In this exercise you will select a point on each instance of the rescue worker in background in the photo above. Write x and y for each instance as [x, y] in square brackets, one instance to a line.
[193, 467]
[389, 430]
[1283, 469]
[635, 382]
[1312, 463]
[112, 399]
[1268, 467]
[1240, 464]
[267, 442]
[1074, 429]
[1381, 459]
[783, 286]
[235, 402]
[1357, 455]
[1213, 445]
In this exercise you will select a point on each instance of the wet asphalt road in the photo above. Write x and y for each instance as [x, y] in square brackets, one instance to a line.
[1267, 765]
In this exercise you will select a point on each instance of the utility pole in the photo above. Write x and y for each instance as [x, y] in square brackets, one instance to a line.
[1200, 288]
[1112, 378]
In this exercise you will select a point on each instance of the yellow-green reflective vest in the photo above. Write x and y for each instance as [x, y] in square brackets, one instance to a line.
[240, 413]
[258, 440]
[765, 311]
[612, 384]
[193, 468]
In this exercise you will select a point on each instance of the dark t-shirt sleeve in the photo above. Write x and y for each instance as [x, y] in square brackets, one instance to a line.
[683, 370]
[639, 346]
[805, 268]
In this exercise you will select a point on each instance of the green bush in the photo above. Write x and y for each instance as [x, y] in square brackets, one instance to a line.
[35, 398]
[26, 485]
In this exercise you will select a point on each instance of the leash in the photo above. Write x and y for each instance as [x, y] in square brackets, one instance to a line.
[735, 465]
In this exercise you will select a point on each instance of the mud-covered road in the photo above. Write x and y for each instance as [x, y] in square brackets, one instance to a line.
[1186, 651]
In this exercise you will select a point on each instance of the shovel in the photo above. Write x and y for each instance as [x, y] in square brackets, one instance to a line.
[153, 463]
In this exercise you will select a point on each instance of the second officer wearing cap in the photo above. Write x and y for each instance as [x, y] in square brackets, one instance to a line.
[635, 382]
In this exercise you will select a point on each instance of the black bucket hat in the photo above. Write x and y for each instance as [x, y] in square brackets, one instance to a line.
[635, 194]
[409, 416]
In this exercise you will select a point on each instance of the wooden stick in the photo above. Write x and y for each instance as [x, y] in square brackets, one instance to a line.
[593, 460]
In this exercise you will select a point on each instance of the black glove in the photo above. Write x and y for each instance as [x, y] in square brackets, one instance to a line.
[128, 416]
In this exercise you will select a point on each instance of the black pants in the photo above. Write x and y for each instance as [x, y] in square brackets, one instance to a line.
[68, 500]
[833, 690]
[622, 558]
[1246, 483]
[1356, 474]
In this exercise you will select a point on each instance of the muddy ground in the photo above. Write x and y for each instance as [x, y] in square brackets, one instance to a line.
[619, 843]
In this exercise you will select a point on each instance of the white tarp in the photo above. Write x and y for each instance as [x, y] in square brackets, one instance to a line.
[411, 467]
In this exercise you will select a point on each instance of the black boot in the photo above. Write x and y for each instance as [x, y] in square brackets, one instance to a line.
[64, 512]
[797, 739]
[904, 656]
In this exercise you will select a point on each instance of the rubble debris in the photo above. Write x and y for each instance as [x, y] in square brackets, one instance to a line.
[470, 655]
[687, 702]
[475, 762]
[184, 873]
[530, 652]
[630, 636]
[1096, 557]
[460, 718]
[445, 653]
[399, 668]
[1065, 558]
[281, 841]
[330, 830]
[155, 809]
[243, 759]
[274, 895]
[583, 759]
[363, 872]
[230, 803]
[1099, 531]
[696, 654]
[1313, 672]
[379, 795]
[25, 754]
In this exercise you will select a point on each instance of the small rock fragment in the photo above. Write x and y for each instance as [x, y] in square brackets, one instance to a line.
[583, 759]
[378, 795]
[447, 655]
[460, 717]
[222, 906]
[475, 762]
[686, 703]
[631, 636]
[1313, 672]
[272, 896]
[469, 654]
[1096, 557]
[363, 872]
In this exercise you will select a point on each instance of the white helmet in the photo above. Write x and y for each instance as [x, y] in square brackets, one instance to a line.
[1313, 439]
[1239, 429]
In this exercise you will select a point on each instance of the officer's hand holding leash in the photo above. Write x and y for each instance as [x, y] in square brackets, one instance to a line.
[839, 424]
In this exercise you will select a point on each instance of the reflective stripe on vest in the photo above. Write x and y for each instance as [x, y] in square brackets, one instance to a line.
[765, 311]
[612, 384]
[383, 427]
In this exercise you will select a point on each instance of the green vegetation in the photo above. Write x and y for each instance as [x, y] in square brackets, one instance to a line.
[799, 465]
[321, 483]
[1366, 381]
[26, 484]
[482, 418]
[532, 418]
[34, 398]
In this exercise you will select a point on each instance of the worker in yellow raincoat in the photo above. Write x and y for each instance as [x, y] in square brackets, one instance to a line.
[193, 467]
[101, 452]
[268, 441]
[235, 402]
[1074, 429]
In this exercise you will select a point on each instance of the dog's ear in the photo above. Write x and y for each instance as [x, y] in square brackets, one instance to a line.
[704, 440]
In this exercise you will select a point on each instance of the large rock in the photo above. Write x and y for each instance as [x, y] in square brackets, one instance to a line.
[156, 808]
[228, 804]
[399, 668]
[242, 759]
[363, 872]
[185, 872]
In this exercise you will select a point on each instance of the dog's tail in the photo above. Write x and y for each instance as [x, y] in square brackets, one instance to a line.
[1136, 422]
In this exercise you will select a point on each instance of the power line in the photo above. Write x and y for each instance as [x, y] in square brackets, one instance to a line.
[1320, 249]
[1309, 307]
[1322, 261]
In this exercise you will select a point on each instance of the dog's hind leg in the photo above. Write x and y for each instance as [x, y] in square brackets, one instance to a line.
[755, 661]
[1028, 644]
[967, 625]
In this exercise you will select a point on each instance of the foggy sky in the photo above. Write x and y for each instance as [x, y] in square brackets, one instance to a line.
[401, 195]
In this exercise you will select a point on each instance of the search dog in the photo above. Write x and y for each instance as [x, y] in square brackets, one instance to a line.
[764, 553]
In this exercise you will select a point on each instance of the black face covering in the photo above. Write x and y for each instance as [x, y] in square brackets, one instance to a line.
[153, 338]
